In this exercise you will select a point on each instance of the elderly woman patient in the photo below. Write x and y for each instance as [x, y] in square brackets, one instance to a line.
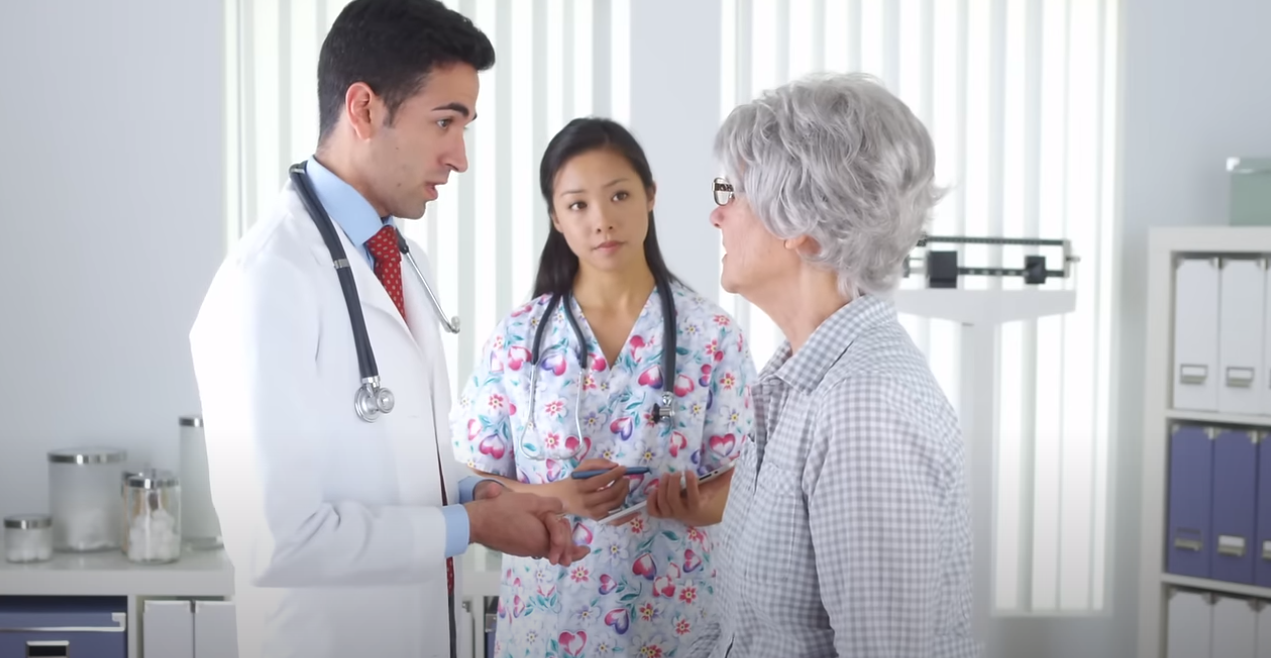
[847, 529]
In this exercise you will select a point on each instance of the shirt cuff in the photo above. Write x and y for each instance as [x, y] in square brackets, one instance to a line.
[457, 529]
[468, 487]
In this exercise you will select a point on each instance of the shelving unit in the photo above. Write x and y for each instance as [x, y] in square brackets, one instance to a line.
[1165, 246]
[199, 575]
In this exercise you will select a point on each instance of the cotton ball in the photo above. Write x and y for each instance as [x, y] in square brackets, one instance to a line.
[154, 537]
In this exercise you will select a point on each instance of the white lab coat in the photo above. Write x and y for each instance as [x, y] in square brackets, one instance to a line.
[333, 524]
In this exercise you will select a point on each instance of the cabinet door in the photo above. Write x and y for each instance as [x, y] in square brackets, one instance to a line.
[167, 629]
[215, 632]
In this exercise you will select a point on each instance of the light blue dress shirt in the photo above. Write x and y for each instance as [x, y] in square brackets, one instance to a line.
[355, 216]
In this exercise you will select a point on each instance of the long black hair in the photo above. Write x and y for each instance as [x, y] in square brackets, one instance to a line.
[558, 264]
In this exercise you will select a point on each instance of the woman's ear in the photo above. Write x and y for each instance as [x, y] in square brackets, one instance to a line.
[652, 192]
[555, 222]
[802, 245]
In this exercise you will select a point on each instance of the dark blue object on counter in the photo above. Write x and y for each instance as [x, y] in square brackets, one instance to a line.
[48, 626]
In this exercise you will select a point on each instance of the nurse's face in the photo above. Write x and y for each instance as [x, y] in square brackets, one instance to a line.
[414, 154]
[601, 206]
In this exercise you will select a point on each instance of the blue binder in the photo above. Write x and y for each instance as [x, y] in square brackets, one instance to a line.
[1231, 553]
[1190, 488]
[1262, 546]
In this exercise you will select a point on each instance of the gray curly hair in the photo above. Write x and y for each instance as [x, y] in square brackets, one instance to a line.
[840, 159]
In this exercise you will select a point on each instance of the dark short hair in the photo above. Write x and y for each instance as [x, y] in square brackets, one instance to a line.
[558, 264]
[392, 46]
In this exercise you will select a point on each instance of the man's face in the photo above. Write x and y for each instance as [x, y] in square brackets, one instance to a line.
[414, 156]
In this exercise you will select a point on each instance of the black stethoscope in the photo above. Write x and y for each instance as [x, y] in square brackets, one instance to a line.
[371, 400]
[662, 412]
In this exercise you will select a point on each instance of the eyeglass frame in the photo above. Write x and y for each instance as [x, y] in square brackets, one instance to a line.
[724, 187]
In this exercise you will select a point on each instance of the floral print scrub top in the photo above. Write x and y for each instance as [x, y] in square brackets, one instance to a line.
[647, 587]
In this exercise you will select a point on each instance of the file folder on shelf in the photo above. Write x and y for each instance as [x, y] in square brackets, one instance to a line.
[1264, 630]
[1242, 379]
[1188, 624]
[1264, 388]
[1190, 488]
[1234, 631]
[1262, 544]
[1196, 298]
[1233, 521]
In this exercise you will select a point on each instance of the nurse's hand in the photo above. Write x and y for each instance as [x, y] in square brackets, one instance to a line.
[594, 497]
[679, 496]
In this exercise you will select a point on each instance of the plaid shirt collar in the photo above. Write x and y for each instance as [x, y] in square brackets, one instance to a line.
[827, 344]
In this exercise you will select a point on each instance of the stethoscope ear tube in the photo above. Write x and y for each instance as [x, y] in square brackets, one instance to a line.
[365, 355]
[665, 409]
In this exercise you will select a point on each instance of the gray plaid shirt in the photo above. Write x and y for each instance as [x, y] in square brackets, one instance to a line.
[847, 531]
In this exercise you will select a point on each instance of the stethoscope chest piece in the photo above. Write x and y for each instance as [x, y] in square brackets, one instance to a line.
[666, 410]
[372, 400]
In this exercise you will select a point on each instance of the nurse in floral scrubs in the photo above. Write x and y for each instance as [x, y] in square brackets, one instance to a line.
[647, 588]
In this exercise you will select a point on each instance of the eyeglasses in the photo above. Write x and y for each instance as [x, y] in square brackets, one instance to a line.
[723, 191]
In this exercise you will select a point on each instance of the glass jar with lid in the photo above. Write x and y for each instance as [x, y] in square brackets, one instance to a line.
[28, 538]
[153, 510]
[125, 475]
[84, 498]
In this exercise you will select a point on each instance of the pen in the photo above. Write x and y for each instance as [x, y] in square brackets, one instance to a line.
[631, 470]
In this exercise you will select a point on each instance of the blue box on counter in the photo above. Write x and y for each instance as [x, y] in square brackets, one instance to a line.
[51, 626]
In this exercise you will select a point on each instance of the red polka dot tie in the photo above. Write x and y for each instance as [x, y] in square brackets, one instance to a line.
[388, 264]
[388, 267]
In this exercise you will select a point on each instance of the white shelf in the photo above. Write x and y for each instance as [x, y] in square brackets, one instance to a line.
[1218, 419]
[1217, 586]
[197, 574]
[1164, 245]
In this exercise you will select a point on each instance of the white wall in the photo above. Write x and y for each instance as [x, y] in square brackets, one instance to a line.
[111, 203]
[1196, 91]
[674, 114]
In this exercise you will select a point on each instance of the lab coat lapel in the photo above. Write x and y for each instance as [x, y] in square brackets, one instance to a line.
[369, 288]
[426, 329]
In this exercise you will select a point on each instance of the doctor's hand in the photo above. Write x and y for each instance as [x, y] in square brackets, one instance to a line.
[594, 497]
[524, 525]
[679, 496]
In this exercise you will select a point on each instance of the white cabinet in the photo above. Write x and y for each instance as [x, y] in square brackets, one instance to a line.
[167, 629]
[215, 634]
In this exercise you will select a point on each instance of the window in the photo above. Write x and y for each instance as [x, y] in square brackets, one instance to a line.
[557, 59]
[1020, 99]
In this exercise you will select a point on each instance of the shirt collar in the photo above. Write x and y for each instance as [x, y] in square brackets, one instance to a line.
[346, 206]
[827, 344]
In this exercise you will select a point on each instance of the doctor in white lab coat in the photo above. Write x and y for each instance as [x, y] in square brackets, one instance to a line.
[344, 533]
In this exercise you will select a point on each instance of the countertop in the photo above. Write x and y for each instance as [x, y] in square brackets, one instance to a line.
[110, 573]
[196, 574]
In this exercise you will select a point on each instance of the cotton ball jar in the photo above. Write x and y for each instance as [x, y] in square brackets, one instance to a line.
[28, 538]
[153, 512]
[84, 498]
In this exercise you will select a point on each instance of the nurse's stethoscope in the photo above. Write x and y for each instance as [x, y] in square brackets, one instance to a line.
[371, 400]
[663, 411]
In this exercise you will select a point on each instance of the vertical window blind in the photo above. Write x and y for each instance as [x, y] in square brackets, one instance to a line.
[1020, 98]
[556, 60]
